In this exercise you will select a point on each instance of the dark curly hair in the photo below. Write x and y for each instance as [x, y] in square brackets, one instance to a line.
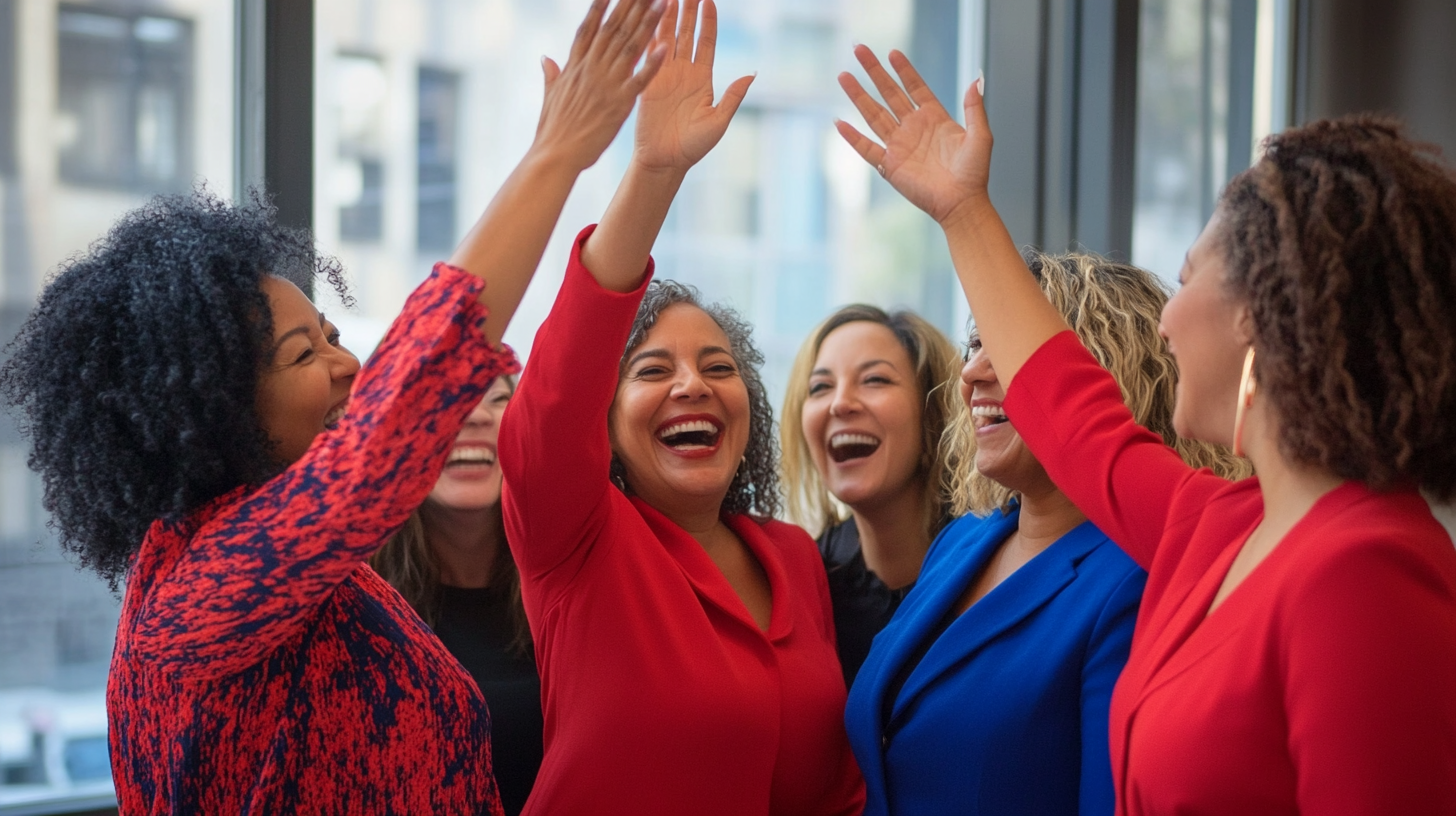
[135, 376]
[755, 487]
[1342, 241]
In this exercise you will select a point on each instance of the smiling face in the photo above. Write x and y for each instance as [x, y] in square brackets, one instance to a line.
[862, 415]
[680, 420]
[1207, 334]
[471, 479]
[1001, 454]
[306, 376]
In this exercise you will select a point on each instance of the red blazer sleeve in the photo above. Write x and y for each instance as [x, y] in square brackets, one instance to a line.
[1069, 411]
[1370, 673]
[255, 570]
[554, 449]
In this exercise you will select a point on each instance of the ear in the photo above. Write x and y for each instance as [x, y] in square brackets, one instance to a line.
[1244, 325]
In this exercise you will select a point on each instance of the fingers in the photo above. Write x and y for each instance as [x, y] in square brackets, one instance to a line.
[863, 145]
[586, 32]
[686, 26]
[667, 28]
[879, 119]
[551, 69]
[708, 37]
[617, 32]
[655, 58]
[733, 96]
[915, 85]
[977, 125]
[890, 91]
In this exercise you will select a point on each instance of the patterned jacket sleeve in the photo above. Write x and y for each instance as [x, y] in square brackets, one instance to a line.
[1069, 411]
[553, 443]
[254, 572]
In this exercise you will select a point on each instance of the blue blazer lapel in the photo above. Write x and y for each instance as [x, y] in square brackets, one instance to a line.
[1017, 598]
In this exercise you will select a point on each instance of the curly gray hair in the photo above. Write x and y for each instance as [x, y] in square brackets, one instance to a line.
[755, 488]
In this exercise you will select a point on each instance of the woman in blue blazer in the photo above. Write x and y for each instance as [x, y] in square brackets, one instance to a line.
[988, 691]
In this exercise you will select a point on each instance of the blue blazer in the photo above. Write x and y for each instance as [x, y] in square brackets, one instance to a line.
[1006, 713]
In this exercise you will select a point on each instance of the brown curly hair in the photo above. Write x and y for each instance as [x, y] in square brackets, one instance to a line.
[1342, 241]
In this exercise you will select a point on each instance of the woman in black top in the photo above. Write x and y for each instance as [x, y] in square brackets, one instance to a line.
[863, 415]
[451, 562]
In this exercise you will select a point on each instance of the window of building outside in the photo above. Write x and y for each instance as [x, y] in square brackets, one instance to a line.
[102, 105]
[1212, 81]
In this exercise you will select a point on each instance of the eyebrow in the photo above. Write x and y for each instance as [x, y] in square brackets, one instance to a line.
[662, 354]
[861, 367]
[277, 344]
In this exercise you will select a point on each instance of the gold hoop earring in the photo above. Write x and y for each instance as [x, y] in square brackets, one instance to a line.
[1247, 387]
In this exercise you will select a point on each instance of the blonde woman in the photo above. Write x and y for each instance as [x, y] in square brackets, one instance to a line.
[991, 684]
[451, 563]
[867, 402]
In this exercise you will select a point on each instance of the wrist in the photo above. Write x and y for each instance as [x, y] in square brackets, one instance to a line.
[657, 173]
[970, 211]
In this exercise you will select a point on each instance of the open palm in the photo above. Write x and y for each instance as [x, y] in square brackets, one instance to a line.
[927, 157]
[677, 123]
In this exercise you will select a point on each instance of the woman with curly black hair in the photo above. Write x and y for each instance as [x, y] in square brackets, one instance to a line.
[204, 437]
[684, 637]
[1294, 649]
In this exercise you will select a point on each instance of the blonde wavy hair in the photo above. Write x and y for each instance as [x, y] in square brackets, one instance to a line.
[1114, 308]
[935, 362]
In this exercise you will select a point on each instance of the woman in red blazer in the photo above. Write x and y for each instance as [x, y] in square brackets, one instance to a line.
[684, 638]
[1296, 647]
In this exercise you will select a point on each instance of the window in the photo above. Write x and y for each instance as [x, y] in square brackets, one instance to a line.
[7, 87]
[124, 99]
[439, 104]
[359, 176]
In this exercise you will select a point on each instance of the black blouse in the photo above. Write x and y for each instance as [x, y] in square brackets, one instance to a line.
[862, 602]
[475, 625]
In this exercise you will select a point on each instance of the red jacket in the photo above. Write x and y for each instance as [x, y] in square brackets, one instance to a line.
[660, 693]
[261, 666]
[1325, 683]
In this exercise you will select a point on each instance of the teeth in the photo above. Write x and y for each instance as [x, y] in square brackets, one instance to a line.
[841, 440]
[695, 426]
[990, 411]
[473, 455]
[334, 416]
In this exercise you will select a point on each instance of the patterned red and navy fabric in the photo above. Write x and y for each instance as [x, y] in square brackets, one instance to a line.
[261, 666]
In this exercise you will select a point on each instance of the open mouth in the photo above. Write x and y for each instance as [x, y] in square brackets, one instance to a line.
[468, 456]
[984, 416]
[844, 447]
[687, 436]
[335, 415]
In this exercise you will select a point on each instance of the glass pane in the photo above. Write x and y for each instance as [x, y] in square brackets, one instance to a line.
[783, 221]
[101, 106]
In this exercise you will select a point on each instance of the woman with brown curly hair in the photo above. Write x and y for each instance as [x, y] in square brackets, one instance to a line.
[1294, 646]
[864, 410]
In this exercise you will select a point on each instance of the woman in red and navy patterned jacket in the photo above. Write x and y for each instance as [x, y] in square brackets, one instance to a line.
[187, 406]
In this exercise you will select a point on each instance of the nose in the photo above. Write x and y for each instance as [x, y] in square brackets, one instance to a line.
[978, 370]
[845, 402]
[343, 364]
[689, 384]
[482, 415]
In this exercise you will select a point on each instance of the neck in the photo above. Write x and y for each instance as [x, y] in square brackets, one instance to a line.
[1046, 515]
[1289, 488]
[466, 543]
[894, 534]
[700, 519]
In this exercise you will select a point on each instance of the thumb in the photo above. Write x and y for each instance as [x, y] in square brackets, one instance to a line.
[733, 96]
[975, 107]
[551, 69]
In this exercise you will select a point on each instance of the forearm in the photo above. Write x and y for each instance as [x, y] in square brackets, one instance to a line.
[505, 246]
[618, 251]
[1012, 314]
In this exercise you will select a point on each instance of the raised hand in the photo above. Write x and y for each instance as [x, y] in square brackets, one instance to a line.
[587, 101]
[678, 123]
[928, 158]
